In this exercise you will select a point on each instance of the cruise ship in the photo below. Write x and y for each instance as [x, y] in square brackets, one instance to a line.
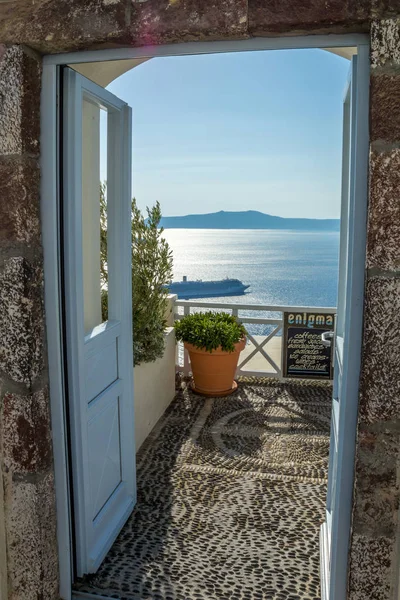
[206, 289]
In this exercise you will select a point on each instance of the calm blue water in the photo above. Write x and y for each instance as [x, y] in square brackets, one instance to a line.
[282, 267]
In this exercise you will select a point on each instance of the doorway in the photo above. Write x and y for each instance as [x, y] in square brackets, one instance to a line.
[359, 151]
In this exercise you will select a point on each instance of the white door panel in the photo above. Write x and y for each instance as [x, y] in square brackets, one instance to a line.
[101, 360]
[103, 447]
[99, 354]
[335, 532]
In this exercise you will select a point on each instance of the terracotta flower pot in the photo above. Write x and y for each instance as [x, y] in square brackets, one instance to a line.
[214, 372]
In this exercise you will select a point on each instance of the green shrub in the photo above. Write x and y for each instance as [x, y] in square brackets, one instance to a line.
[210, 331]
[151, 272]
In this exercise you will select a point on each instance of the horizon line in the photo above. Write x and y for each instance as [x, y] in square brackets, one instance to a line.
[250, 211]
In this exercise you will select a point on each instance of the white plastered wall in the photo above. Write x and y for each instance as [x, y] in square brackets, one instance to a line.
[103, 73]
[154, 389]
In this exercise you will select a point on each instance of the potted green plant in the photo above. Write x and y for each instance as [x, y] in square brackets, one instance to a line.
[214, 342]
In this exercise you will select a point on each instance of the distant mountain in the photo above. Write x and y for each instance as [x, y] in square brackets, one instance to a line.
[249, 219]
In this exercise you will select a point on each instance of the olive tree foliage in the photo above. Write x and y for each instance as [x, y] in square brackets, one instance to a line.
[151, 272]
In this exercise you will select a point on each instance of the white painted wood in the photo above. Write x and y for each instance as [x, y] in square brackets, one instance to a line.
[102, 334]
[339, 366]
[100, 362]
[101, 367]
[324, 561]
[260, 321]
[103, 446]
[50, 220]
[186, 358]
[336, 531]
[323, 310]
[189, 48]
[259, 348]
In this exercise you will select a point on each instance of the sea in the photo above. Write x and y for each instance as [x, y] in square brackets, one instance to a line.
[282, 267]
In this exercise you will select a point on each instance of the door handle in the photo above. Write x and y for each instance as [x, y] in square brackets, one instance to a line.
[326, 338]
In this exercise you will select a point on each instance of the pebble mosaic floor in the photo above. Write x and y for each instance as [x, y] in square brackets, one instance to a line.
[231, 495]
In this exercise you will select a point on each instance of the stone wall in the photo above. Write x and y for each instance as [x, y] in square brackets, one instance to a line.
[27, 524]
[374, 556]
[57, 25]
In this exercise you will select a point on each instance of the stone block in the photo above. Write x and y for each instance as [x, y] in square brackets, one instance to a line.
[21, 320]
[31, 80]
[20, 202]
[165, 21]
[380, 372]
[383, 247]
[370, 568]
[20, 76]
[376, 490]
[10, 106]
[25, 429]
[385, 42]
[385, 107]
[307, 15]
[58, 25]
[31, 538]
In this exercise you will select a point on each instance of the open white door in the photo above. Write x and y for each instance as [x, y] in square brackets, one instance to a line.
[99, 354]
[335, 532]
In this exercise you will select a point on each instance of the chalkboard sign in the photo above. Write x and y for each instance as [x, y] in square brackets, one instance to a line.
[304, 354]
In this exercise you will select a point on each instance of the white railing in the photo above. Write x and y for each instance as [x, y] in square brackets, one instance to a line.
[263, 354]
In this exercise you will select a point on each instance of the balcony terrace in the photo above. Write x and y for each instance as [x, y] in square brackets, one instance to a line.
[231, 495]
[231, 491]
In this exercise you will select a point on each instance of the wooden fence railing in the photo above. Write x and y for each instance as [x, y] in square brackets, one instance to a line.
[263, 355]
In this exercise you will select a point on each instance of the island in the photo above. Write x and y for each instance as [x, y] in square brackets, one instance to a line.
[249, 219]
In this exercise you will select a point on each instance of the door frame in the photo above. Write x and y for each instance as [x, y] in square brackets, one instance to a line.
[51, 219]
[334, 542]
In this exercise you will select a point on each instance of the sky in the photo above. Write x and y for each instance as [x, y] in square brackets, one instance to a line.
[240, 131]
